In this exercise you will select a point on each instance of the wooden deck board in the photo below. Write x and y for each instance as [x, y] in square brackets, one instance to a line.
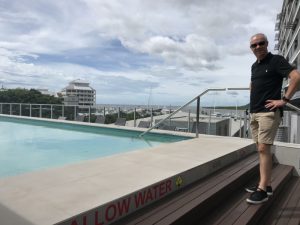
[205, 198]
[254, 212]
[295, 216]
[201, 203]
[239, 208]
[291, 209]
[218, 215]
[154, 213]
[276, 212]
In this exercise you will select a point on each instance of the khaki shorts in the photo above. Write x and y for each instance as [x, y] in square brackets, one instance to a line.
[264, 126]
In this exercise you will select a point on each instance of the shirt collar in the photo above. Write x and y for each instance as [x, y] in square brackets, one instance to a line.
[264, 59]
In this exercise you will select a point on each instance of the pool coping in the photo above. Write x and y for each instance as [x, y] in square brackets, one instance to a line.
[112, 126]
[96, 189]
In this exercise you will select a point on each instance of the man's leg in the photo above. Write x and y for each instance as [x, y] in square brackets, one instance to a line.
[268, 124]
[265, 165]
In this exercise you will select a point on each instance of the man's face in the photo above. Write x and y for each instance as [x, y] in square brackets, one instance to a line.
[259, 46]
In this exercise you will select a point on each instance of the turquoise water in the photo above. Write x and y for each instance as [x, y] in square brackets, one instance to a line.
[28, 145]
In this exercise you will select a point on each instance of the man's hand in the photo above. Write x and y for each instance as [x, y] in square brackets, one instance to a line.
[273, 104]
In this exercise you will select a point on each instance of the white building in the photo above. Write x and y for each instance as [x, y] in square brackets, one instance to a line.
[45, 91]
[288, 35]
[2, 88]
[79, 92]
[288, 45]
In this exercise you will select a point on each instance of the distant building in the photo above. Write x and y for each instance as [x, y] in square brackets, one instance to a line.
[45, 91]
[288, 40]
[3, 89]
[288, 36]
[79, 92]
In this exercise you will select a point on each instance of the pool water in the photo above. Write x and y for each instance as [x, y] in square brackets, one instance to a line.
[28, 145]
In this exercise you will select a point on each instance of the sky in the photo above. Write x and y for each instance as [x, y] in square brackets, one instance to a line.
[162, 52]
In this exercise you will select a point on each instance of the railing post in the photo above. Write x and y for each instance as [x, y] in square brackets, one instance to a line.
[1, 109]
[30, 109]
[189, 121]
[51, 106]
[245, 125]
[151, 116]
[197, 116]
[20, 114]
[62, 110]
[10, 109]
[40, 111]
[230, 126]
[240, 124]
[209, 122]
[104, 111]
[74, 112]
[119, 112]
[89, 114]
[134, 118]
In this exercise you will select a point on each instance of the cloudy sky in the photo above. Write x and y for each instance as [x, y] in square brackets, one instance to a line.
[134, 51]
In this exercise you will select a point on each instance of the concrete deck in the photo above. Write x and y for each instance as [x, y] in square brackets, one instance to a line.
[54, 195]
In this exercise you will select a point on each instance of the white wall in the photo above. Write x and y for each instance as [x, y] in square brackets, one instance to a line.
[295, 128]
[288, 154]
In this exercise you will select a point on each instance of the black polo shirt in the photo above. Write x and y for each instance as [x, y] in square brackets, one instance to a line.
[266, 81]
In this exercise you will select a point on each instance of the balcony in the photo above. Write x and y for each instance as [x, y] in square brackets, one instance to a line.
[278, 17]
[277, 26]
[291, 25]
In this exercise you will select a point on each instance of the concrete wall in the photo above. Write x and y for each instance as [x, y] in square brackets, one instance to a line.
[220, 128]
[289, 129]
[295, 128]
[288, 154]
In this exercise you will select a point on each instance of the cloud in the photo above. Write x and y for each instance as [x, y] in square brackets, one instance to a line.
[168, 44]
[189, 53]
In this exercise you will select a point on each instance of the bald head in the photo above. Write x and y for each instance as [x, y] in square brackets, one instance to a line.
[259, 35]
[259, 45]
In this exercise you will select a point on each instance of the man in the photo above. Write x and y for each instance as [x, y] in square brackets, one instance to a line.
[266, 104]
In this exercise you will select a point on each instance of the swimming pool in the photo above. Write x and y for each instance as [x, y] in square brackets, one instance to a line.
[27, 145]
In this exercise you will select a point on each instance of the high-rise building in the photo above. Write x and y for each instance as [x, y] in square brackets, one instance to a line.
[288, 45]
[79, 92]
[288, 36]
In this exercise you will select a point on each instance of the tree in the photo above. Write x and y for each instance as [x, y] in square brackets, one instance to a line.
[31, 96]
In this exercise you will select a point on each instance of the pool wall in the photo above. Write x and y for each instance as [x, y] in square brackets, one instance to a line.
[30, 144]
[99, 128]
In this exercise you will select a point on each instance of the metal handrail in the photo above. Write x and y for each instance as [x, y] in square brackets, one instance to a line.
[177, 110]
[198, 106]
[292, 106]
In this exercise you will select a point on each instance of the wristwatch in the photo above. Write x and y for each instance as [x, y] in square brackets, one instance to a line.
[285, 99]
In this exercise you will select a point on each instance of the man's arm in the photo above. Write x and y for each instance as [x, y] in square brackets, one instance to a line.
[294, 85]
